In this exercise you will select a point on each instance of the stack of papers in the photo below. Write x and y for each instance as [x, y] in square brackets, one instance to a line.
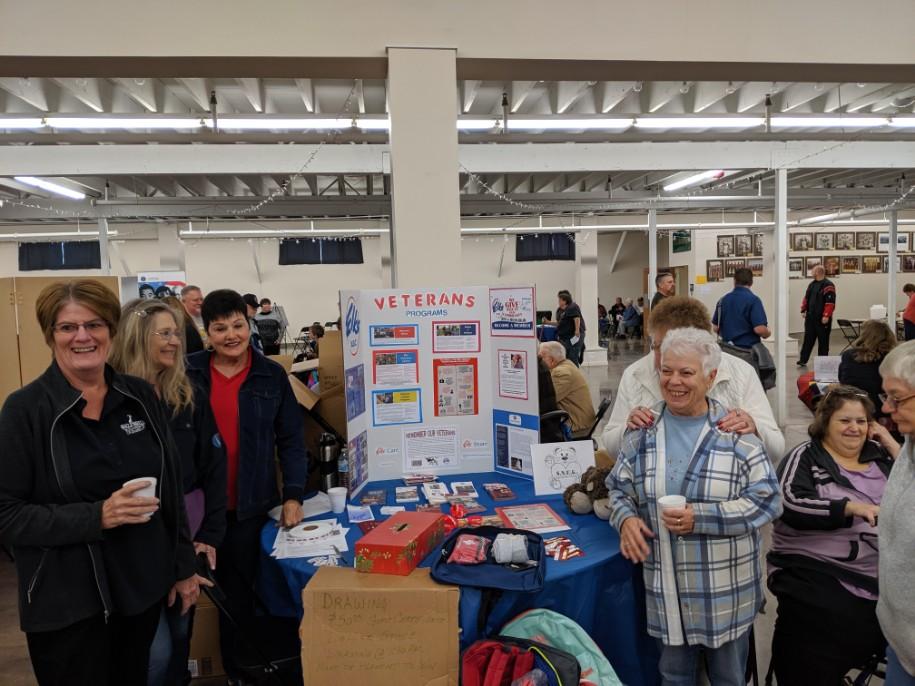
[317, 504]
[310, 539]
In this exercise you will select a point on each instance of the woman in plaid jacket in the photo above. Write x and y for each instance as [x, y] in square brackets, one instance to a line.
[702, 562]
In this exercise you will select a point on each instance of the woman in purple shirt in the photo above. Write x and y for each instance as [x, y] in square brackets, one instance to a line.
[823, 562]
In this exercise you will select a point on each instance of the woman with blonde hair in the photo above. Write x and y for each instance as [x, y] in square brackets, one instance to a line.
[149, 345]
[860, 366]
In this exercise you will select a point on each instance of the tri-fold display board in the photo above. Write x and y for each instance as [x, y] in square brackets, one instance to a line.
[440, 380]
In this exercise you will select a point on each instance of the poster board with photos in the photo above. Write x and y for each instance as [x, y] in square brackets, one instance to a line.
[464, 397]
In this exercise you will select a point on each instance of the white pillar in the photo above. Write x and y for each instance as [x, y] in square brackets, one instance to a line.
[588, 295]
[171, 248]
[652, 255]
[891, 285]
[426, 222]
[103, 245]
[386, 271]
[781, 294]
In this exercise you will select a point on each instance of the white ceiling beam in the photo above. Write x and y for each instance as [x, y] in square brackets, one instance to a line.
[199, 90]
[753, 94]
[798, 94]
[29, 90]
[707, 93]
[564, 94]
[517, 94]
[143, 91]
[254, 182]
[469, 90]
[254, 92]
[307, 92]
[230, 185]
[87, 91]
[163, 184]
[661, 93]
[609, 94]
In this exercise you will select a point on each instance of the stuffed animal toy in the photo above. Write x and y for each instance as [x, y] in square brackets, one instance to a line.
[591, 495]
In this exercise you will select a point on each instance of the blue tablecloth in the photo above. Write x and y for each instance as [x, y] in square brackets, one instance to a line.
[601, 590]
[546, 332]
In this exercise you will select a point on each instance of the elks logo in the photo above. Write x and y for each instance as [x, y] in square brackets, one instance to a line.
[352, 326]
[133, 426]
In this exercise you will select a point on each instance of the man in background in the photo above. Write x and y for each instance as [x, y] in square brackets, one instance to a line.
[194, 331]
[739, 317]
[572, 394]
[666, 287]
[251, 305]
[817, 307]
[270, 327]
[570, 327]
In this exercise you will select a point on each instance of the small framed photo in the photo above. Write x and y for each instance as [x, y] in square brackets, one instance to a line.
[871, 264]
[810, 263]
[795, 267]
[845, 240]
[725, 246]
[903, 242]
[908, 263]
[731, 266]
[825, 240]
[743, 245]
[886, 264]
[851, 265]
[801, 241]
[714, 270]
[758, 244]
[832, 264]
[883, 242]
[866, 240]
[755, 265]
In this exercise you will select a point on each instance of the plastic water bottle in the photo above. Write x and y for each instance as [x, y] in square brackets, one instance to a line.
[343, 468]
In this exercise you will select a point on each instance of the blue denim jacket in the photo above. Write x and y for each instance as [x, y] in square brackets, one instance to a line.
[269, 425]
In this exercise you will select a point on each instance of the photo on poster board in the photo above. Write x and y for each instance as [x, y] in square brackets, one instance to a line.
[513, 374]
[430, 449]
[355, 391]
[513, 435]
[871, 264]
[845, 240]
[153, 285]
[795, 267]
[400, 406]
[851, 265]
[714, 270]
[512, 312]
[743, 245]
[388, 335]
[559, 465]
[725, 246]
[825, 240]
[395, 367]
[731, 266]
[865, 240]
[358, 462]
[833, 265]
[456, 337]
[810, 263]
[759, 244]
[755, 265]
[801, 241]
[456, 391]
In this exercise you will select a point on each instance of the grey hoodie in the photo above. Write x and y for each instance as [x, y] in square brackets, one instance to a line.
[896, 606]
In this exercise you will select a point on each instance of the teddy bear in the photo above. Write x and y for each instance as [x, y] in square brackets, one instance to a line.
[564, 466]
[590, 495]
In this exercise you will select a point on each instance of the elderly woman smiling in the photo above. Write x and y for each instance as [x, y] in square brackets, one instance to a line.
[702, 562]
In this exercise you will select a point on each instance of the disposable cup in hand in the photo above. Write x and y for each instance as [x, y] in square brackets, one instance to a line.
[672, 502]
[337, 496]
[146, 492]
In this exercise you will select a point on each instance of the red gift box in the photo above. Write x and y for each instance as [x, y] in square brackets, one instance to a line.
[400, 543]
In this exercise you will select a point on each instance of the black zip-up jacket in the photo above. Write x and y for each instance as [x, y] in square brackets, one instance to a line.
[56, 536]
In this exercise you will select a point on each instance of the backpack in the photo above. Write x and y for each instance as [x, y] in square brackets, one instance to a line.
[499, 661]
[559, 632]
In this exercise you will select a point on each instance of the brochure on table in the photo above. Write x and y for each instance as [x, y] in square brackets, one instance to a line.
[440, 380]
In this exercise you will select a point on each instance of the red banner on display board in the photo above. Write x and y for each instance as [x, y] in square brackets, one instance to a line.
[456, 392]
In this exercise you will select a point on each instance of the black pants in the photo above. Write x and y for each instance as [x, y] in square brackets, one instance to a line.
[909, 328]
[821, 631]
[236, 569]
[271, 348]
[815, 331]
[95, 652]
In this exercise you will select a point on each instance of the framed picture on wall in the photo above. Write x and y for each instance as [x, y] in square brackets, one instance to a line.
[883, 242]
[886, 264]
[758, 244]
[681, 241]
[810, 263]
[824, 240]
[908, 263]
[801, 241]
[795, 267]
[755, 265]
[743, 245]
[845, 240]
[731, 266]
[725, 246]
[714, 270]
[832, 264]
[903, 243]
[865, 240]
[871, 264]
[851, 265]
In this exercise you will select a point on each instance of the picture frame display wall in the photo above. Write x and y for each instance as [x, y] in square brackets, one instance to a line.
[743, 245]
[810, 263]
[731, 266]
[714, 271]
[795, 267]
[725, 246]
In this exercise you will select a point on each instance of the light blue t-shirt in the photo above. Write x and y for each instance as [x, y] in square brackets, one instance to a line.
[681, 435]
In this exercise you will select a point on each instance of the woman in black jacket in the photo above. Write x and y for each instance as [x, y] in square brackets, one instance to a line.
[860, 365]
[95, 561]
[150, 345]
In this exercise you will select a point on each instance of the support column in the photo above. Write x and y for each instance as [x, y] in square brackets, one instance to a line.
[103, 245]
[588, 296]
[891, 286]
[652, 255]
[426, 221]
[171, 248]
[781, 294]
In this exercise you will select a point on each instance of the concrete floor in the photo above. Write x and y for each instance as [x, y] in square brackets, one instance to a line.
[14, 662]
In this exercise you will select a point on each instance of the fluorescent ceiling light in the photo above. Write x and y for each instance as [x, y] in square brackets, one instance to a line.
[317, 233]
[124, 122]
[51, 186]
[829, 122]
[694, 179]
[53, 234]
[687, 122]
[477, 124]
[21, 123]
[560, 124]
[301, 124]
[902, 122]
[373, 124]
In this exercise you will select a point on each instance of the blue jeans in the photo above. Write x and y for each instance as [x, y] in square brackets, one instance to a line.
[171, 645]
[726, 664]
[895, 672]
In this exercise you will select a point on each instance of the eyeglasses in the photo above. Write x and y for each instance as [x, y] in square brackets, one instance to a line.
[893, 403]
[70, 329]
[167, 334]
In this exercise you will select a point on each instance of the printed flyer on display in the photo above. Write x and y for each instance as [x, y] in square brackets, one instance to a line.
[392, 367]
[456, 337]
[512, 312]
[513, 374]
[455, 386]
[430, 449]
[397, 407]
[390, 335]
[513, 435]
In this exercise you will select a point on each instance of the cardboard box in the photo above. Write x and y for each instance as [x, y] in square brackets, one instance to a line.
[205, 659]
[400, 543]
[375, 630]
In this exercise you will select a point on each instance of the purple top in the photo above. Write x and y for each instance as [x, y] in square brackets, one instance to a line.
[870, 485]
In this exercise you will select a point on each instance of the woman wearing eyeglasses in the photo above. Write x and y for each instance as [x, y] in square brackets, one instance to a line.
[149, 345]
[823, 561]
[95, 561]
[896, 606]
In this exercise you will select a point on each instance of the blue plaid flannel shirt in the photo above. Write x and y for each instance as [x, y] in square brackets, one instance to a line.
[733, 490]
